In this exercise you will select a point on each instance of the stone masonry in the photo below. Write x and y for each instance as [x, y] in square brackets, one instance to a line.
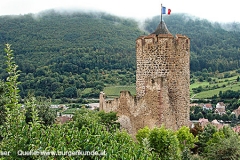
[162, 84]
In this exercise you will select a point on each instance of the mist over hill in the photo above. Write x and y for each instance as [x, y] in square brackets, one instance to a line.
[61, 55]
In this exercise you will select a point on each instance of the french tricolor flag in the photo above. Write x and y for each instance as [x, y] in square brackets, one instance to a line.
[164, 11]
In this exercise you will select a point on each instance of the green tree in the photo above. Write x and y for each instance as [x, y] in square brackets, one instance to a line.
[199, 115]
[209, 116]
[164, 143]
[109, 120]
[3, 101]
[186, 138]
[142, 134]
[45, 114]
[197, 129]
[15, 120]
[193, 117]
[205, 136]
[209, 79]
[70, 92]
[238, 79]
[197, 110]
[224, 145]
[225, 117]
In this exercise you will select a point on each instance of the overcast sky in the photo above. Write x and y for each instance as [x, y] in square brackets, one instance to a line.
[213, 10]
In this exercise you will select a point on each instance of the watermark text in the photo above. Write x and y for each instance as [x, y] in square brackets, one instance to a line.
[61, 153]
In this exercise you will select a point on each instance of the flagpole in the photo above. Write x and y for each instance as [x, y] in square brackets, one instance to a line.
[161, 16]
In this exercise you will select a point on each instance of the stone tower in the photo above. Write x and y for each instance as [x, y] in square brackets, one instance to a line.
[160, 55]
[162, 84]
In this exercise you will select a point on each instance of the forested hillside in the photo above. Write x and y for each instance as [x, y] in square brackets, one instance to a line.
[75, 55]
[60, 55]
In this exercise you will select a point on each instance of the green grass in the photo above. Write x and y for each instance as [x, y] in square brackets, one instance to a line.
[230, 84]
[114, 91]
[70, 111]
[210, 93]
[197, 84]
[218, 82]
[87, 90]
[230, 78]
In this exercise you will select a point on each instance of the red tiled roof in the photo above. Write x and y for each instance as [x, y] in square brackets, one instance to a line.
[203, 122]
[208, 105]
[63, 119]
[237, 129]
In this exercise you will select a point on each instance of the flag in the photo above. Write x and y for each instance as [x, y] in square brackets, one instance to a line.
[169, 11]
[163, 10]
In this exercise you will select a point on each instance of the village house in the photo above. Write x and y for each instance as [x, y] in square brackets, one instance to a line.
[60, 106]
[237, 112]
[203, 122]
[218, 124]
[220, 108]
[236, 129]
[63, 119]
[93, 106]
[207, 106]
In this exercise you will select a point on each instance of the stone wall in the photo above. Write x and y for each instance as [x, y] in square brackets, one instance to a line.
[162, 85]
[134, 113]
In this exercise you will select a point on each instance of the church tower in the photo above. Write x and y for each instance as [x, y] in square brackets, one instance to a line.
[162, 56]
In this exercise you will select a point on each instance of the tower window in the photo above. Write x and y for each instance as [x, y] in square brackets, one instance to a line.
[153, 81]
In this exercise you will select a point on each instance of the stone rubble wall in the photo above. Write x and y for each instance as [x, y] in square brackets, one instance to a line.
[134, 114]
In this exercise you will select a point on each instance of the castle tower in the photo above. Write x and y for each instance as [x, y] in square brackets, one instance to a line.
[160, 55]
[162, 84]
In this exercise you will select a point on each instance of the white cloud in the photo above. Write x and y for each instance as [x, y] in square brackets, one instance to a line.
[221, 10]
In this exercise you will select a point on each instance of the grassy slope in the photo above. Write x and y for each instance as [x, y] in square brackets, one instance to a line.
[210, 93]
[224, 84]
[114, 91]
